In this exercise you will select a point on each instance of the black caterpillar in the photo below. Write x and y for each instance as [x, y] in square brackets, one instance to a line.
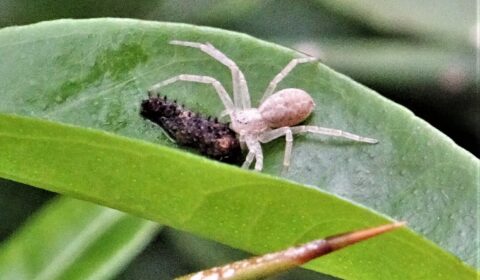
[209, 136]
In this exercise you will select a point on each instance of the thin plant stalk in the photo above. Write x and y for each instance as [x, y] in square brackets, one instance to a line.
[272, 263]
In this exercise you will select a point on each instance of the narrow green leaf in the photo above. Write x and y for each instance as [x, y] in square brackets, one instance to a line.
[136, 177]
[396, 64]
[94, 73]
[17, 203]
[73, 239]
[441, 19]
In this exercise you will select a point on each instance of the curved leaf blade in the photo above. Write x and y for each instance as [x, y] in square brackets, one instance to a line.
[439, 19]
[251, 211]
[73, 239]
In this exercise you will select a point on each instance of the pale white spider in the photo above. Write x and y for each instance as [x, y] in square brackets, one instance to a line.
[275, 117]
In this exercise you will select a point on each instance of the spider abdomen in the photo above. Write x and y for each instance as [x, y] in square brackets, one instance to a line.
[286, 107]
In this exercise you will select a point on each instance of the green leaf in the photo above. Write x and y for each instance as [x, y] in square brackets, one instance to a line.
[203, 11]
[219, 208]
[17, 203]
[73, 239]
[443, 20]
[94, 73]
[15, 12]
[397, 64]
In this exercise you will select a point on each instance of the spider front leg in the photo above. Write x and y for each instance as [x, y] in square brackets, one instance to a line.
[248, 160]
[222, 93]
[254, 151]
[223, 114]
[241, 96]
[285, 71]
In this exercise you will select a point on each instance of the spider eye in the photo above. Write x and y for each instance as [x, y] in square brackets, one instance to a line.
[243, 120]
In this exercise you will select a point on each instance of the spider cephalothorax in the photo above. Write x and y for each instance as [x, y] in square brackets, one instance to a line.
[276, 116]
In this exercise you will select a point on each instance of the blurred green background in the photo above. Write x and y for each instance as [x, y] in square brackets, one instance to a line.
[421, 54]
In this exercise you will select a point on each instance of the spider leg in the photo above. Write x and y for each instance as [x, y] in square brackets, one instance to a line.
[248, 160]
[254, 150]
[243, 144]
[279, 77]
[270, 135]
[223, 114]
[331, 132]
[241, 96]
[222, 93]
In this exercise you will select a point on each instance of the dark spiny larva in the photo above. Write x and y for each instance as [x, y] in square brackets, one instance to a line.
[210, 137]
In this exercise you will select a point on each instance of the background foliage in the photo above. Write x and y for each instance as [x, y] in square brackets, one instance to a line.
[423, 59]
